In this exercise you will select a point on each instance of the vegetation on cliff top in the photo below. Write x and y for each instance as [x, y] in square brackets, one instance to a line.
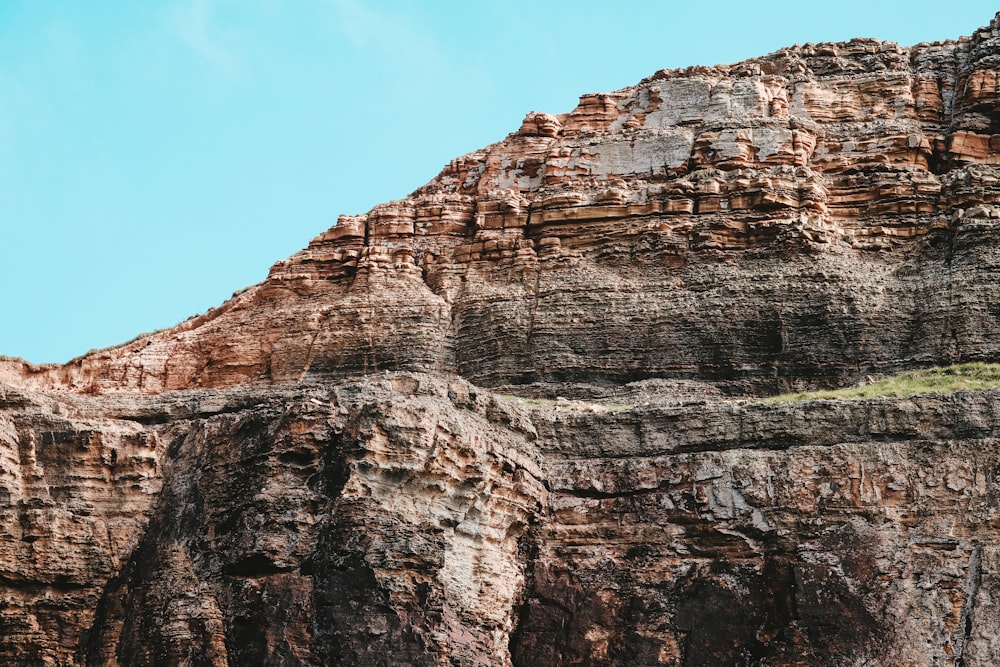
[973, 376]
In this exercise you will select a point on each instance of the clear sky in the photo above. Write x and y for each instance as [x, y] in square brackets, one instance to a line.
[155, 156]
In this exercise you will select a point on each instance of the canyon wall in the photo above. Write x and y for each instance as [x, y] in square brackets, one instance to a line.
[513, 419]
[413, 519]
[804, 218]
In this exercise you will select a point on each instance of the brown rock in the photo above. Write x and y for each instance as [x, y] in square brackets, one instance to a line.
[763, 207]
[307, 475]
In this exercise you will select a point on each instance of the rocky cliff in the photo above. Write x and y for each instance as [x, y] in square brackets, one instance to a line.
[334, 467]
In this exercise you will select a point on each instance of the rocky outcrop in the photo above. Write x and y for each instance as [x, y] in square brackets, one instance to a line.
[829, 533]
[510, 420]
[410, 519]
[380, 522]
[75, 491]
[807, 217]
[366, 524]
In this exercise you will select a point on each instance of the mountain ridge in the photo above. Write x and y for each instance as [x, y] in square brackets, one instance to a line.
[852, 152]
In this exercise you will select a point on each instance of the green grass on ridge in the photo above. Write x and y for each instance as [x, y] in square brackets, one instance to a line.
[972, 376]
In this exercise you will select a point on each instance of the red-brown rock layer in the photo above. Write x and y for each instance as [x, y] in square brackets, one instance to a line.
[805, 217]
[411, 519]
[309, 474]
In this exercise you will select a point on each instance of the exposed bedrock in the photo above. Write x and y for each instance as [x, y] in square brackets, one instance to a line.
[413, 519]
[818, 534]
[508, 420]
[370, 524]
[807, 217]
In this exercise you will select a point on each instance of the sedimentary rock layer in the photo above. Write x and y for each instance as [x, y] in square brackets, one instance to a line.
[806, 217]
[74, 495]
[312, 474]
[410, 519]
[819, 534]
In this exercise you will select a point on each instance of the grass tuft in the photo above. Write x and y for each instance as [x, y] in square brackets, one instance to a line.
[972, 376]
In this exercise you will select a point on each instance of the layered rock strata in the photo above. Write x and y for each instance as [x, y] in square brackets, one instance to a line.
[75, 490]
[828, 533]
[314, 474]
[410, 519]
[807, 217]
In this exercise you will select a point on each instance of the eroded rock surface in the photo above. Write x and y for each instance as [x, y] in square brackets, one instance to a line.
[508, 420]
[810, 216]
[75, 491]
[828, 533]
[359, 525]
[414, 519]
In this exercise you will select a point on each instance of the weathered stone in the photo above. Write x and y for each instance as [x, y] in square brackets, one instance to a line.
[825, 165]
[312, 473]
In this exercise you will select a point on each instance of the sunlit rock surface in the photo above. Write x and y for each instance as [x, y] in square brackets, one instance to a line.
[508, 419]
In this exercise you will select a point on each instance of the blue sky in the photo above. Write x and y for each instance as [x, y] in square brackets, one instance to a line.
[156, 156]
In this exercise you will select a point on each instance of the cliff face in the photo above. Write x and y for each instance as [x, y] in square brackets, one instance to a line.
[329, 468]
[831, 534]
[806, 217]
[74, 492]
[412, 519]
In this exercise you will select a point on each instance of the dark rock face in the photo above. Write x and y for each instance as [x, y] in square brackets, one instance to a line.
[310, 475]
[410, 519]
[824, 533]
[364, 524]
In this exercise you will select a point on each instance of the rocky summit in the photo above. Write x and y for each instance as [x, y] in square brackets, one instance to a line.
[515, 418]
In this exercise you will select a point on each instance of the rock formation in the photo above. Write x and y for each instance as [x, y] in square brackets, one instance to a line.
[334, 467]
